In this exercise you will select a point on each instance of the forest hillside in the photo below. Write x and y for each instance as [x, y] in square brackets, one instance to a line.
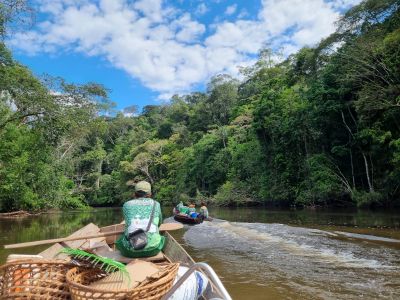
[320, 127]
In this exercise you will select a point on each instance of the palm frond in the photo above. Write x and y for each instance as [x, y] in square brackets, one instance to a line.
[106, 264]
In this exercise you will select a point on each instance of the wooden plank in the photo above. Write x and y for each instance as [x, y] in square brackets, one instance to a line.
[100, 245]
[115, 255]
[158, 257]
[14, 257]
[112, 228]
[52, 251]
[91, 228]
[121, 227]
[87, 238]
[163, 227]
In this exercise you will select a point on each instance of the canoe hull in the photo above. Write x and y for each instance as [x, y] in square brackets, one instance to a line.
[172, 252]
[188, 220]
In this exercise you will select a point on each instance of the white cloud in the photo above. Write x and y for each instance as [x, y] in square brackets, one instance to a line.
[243, 36]
[188, 30]
[314, 15]
[230, 10]
[201, 9]
[166, 48]
[151, 9]
[243, 13]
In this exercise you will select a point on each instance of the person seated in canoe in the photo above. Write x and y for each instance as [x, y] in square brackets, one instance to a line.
[142, 218]
[192, 210]
[182, 209]
[179, 205]
[203, 210]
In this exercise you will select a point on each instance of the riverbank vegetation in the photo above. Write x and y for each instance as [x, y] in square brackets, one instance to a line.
[320, 127]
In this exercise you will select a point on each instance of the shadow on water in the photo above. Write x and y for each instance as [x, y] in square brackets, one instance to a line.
[265, 254]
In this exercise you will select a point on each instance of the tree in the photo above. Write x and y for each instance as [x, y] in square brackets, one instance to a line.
[148, 159]
[222, 98]
[14, 13]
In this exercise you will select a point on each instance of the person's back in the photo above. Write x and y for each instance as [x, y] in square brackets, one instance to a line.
[182, 208]
[204, 210]
[137, 214]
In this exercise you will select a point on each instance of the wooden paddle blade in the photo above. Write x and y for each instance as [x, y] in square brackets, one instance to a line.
[59, 240]
[163, 227]
[170, 226]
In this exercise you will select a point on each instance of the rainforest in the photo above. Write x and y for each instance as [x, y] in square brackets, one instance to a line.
[320, 127]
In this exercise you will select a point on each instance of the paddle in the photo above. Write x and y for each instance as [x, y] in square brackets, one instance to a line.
[163, 227]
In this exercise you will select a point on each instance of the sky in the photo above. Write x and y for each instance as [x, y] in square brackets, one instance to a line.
[145, 51]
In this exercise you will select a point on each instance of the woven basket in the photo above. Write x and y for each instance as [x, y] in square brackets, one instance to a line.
[153, 288]
[34, 279]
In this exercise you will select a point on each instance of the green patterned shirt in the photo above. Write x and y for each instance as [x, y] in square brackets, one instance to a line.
[137, 215]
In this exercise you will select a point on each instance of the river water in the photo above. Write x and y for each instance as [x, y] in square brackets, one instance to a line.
[266, 254]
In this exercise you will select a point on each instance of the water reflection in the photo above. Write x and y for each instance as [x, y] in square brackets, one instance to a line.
[50, 225]
[263, 253]
[364, 218]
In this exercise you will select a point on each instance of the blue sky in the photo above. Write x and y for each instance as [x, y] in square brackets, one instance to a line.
[147, 50]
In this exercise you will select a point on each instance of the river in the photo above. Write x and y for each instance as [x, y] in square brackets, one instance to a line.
[266, 254]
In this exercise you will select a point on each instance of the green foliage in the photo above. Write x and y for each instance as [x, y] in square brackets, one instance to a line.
[207, 164]
[368, 199]
[164, 131]
[108, 193]
[41, 135]
[322, 185]
[14, 13]
[108, 265]
[24, 166]
[232, 194]
[66, 198]
[318, 128]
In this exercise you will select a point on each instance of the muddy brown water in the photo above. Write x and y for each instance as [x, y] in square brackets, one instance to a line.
[265, 254]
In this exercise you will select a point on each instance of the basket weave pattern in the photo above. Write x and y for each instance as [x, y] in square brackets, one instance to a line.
[78, 280]
[153, 288]
[34, 279]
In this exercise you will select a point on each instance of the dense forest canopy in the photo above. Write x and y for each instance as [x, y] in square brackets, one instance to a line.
[321, 127]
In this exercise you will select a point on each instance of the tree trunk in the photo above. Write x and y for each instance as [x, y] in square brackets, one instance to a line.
[145, 170]
[99, 169]
[371, 187]
[352, 169]
[370, 184]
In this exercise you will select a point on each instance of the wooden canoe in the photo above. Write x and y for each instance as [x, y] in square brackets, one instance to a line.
[105, 246]
[187, 220]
